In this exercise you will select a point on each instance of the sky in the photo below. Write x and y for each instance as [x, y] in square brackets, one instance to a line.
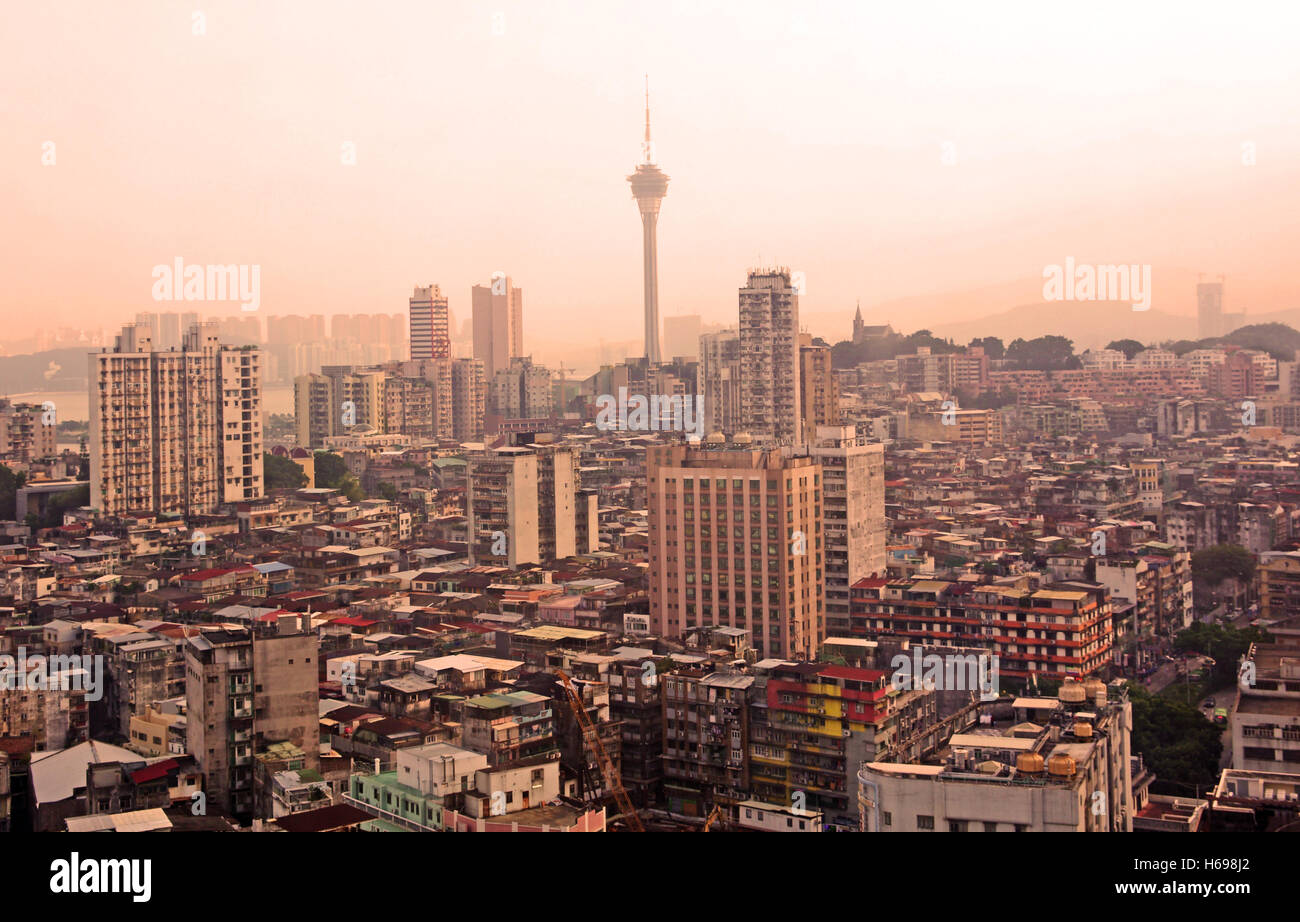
[884, 150]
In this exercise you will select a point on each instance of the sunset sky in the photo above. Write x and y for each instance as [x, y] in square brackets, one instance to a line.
[807, 135]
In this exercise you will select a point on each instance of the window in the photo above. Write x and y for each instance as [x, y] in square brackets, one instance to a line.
[924, 822]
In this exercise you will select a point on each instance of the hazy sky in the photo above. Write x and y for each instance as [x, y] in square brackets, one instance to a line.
[805, 134]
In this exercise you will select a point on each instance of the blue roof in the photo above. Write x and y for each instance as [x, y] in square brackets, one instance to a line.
[273, 567]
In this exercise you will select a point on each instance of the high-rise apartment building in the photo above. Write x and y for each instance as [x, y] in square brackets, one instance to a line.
[522, 390]
[469, 399]
[501, 504]
[430, 332]
[521, 504]
[1209, 309]
[498, 324]
[819, 392]
[853, 519]
[736, 541]
[769, 350]
[719, 381]
[28, 431]
[337, 400]
[247, 690]
[177, 431]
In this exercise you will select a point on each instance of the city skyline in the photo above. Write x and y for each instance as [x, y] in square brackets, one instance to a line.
[934, 468]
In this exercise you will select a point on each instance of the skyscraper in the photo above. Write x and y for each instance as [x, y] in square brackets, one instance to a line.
[770, 401]
[177, 431]
[649, 186]
[430, 332]
[1209, 309]
[498, 324]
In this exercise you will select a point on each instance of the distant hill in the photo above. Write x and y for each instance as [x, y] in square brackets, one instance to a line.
[1015, 310]
[54, 370]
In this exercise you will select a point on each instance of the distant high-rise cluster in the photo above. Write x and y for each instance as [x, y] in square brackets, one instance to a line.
[434, 399]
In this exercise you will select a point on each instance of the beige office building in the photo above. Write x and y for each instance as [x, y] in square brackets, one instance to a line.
[736, 541]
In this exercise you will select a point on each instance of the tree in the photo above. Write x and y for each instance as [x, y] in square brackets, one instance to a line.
[1046, 353]
[350, 487]
[388, 491]
[1130, 347]
[1213, 565]
[10, 484]
[330, 469]
[60, 502]
[282, 473]
[1177, 743]
[991, 345]
[1224, 644]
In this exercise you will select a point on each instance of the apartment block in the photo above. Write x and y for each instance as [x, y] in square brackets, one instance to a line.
[338, 400]
[718, 380]
[28, 432]
[1266, 720]
[523, 504]
[248, 689]
[811, 727]
[706, 739]
[469, 399]
[510, 727]
[1052, 633]
[522, 390]
[1040, 769]
[853, 519]
[769, 348]
[819, 391]
[177, 431]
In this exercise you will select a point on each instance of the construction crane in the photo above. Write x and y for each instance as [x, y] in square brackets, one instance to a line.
[608, 770]
[717, 812]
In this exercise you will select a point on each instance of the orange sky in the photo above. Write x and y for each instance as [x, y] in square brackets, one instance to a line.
[811, 138]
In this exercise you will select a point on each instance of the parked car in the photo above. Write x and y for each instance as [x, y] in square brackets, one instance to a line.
[1207, 703]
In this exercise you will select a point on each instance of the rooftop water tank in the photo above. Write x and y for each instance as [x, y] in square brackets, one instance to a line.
[1072, 692]
[1029, 763]
[1060, 766]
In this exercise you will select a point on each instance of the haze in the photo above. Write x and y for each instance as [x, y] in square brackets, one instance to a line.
[812, 138]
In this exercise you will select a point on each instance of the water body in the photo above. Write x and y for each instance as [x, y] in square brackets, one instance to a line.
[75, 405]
